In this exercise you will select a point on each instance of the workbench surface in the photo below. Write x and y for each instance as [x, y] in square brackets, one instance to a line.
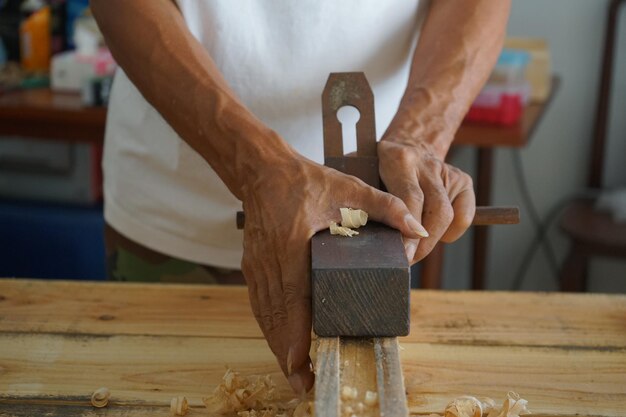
[59, 341]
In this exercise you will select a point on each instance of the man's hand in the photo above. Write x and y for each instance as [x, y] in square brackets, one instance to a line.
[285, 206]
[438, 195]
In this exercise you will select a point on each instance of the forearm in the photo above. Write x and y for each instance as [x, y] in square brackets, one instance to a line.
[150, 41]
[458, 47]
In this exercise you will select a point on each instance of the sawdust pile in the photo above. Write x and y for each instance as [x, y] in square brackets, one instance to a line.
[239, 396]
[467, 406]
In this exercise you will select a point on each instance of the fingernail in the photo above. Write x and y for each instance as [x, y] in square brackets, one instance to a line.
[410, 248]
[290, 361]
[295, 380]
[415, 225]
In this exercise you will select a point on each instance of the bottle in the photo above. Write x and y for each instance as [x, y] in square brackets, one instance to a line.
[35, 36]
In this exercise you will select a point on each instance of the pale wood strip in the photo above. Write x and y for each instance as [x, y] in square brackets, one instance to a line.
[493, 318]
[391, 390]
[358, 372]
[153, 369]
[327, 370]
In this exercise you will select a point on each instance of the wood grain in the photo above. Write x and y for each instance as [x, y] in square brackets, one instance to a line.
[391, 389]
[565, 353]
[360, 286]
[360, 365]
[447, 317]
[327, 381]
[149, 370]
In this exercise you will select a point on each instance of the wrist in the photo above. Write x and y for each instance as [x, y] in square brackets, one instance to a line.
[262, 158]
[426, 118]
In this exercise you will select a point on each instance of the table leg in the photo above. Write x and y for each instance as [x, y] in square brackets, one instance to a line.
[432, 265]
[484, 170]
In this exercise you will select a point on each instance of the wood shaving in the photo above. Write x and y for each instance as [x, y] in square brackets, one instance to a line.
[513, 406]
[179, 406]
[350, 219]
[335, 229]
[371, 398]
[353, 218]
[465, 406]
[254, 397]
[349, 393]
[468, 406]
[100, 397]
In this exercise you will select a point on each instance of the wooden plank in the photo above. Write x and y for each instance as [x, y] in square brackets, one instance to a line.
[358, 372]
[391, 389]
[107, 308]
[360, 286]
[523, 319]
[556, 382]
[327, 371]
[349, 368]
[465, 318]
[9, 409]
[147, 371]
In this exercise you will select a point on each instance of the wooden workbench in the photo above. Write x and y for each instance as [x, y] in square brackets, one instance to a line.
[59, 341]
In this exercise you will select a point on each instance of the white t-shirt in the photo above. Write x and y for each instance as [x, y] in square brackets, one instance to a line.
[276, 55]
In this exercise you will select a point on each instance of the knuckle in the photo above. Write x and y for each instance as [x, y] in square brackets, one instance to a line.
[391, 203]
[280, 318]
[446, 212]
[293, 295]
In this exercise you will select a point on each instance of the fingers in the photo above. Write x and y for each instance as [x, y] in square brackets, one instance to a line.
[279, 291]
[297, 297]
[262, 274]
[408, 190]
[437, 215]
[464, 206]
[391, 210]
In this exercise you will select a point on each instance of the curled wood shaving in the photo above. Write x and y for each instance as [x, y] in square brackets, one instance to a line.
[350, 219]
[513, 406]
[100, 397]
[465, 406]
[238, 395]
[349, 393]
[468, 406]
[371, 398]
[353, 218]
[179, 406]
[335, 229]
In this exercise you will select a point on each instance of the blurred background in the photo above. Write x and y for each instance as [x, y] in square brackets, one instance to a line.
[547, 134]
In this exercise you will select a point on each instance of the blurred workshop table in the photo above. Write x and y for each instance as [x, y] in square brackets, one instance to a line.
[60, 341]
[486, 138]
[44, 114]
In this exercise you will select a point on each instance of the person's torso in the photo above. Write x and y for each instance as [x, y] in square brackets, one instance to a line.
[276, 56]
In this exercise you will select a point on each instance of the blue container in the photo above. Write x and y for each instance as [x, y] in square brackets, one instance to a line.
[51, 241]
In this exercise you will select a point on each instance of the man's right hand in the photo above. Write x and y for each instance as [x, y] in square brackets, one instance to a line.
[285, 206]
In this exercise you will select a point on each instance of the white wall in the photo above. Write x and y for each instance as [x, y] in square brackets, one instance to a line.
[556, 159]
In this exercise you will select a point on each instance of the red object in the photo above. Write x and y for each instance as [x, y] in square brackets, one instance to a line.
[507, 113]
